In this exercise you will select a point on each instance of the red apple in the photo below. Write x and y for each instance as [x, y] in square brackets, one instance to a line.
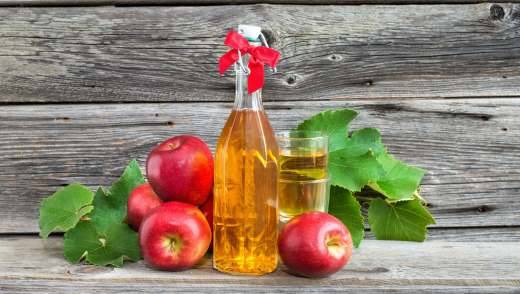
[315, 244]
[174, 236]
[141, 200]
[207, 210]
[181, 169]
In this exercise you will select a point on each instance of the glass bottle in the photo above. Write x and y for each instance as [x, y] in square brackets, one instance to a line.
[246, 200]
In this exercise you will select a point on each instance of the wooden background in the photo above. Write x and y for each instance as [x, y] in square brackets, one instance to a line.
[86, 85]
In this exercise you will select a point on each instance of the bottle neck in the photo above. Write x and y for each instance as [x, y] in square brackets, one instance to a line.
[244, 100]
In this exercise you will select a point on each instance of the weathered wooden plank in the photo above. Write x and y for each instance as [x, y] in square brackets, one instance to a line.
[469, 147]
[74, 54]
[470, 234]
[221, 2]
[30, 265]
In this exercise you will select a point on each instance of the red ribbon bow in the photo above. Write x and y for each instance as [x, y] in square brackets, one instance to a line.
[260, 55]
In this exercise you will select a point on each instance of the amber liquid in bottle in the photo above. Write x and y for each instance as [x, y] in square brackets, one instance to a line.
[246, 202]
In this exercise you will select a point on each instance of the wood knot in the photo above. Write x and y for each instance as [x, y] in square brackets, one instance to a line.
[292, 79]
[335, 57]
[170, 123]
[496, 12]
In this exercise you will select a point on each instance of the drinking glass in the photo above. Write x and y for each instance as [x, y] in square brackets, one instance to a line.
[303, 182]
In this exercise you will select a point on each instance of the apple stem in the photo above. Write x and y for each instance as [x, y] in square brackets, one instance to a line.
[174, 146]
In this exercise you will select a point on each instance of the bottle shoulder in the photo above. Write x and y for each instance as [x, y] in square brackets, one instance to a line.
[247, 129]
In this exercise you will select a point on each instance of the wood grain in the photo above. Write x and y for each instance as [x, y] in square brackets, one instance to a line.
[223, 2]
[469, 147]
[80, 54]
[31, 265]
[469, 234]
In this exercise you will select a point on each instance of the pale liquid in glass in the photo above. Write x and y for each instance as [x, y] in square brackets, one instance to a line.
[303, 183]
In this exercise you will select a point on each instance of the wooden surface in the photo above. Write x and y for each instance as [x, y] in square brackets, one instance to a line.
[95, 54]
[214, 2]
[441, 82]
[29, 264]
[469, 147]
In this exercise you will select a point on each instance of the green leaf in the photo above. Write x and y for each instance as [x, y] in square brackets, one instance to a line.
[79, 241]
[107, 211]
[333, 123]
[399, 181]
[345, 207]
[352, 171]
[84, 242]
[131, 178]
[110, 207]
[121, 243]
[64, 209]
[363, 141]
[404, 220]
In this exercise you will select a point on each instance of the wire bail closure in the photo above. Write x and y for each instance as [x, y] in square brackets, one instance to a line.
[245, 69]
[259, 55]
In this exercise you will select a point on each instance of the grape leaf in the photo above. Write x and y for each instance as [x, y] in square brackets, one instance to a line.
[345, 207]
[129, 180]
[364, 140]
[352, 171]
[333, 123]
[106, 211]
[404, 220]
[84, 242]
[355, 165]
[79, 241]
[399, 181]
[121, 243]
[110, 207]
[64, 209]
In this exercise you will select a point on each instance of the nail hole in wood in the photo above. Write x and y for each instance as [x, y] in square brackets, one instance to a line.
[504, 129]
[496, 12]
[156, 115]
[504, 77]
[170, 123]
[483, 208]
[485, 117]
[369, 83]
[335, 57]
